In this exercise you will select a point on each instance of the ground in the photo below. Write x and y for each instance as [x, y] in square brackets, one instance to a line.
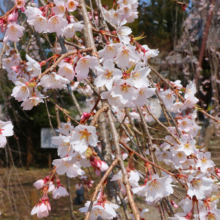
[16, 201]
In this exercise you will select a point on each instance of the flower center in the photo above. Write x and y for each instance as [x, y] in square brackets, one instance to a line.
[84, 62]
[72, 4]
[141, 92]
[60, 8]
[13, 30]
[85, 134]
[184, 123]
[109, 49]
[187, 146]
[136, 75]
[211, 216]
[23, 89]
[125, 88]
[40, 20]
[67, 70]
[180, 155]
[54, 20]
[169, 96]
[204, 160]
[108, 74]
[34, 102]
[154, 185]
[67, 164]
[97, 212]
[125, 53]
[196, 183]
[19, 3]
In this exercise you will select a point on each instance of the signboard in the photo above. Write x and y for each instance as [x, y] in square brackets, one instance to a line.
[46, 135]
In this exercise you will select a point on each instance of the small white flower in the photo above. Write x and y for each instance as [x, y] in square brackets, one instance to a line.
[83, 66]
[65, 166]
[14, 32]
[53, 81]
[204, 161]
[105, 210]
[125, 91]
[60, 191]
[66, 128]
[71, 5]
[123, 32]
[156, 188]
[199, 186]
[70, 29]
[21, 92]
[33, 66]
[6, 130]
[29, 103]
[107, 74]
[56, 24]
[109, 51]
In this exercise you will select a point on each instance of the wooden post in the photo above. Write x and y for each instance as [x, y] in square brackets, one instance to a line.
[34, 201]
[49, 161]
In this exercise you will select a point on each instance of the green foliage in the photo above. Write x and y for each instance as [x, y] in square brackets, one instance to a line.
[161, 22]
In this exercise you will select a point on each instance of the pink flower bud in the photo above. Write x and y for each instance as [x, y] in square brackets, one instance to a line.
[85, 116]
[13, 16]
[15, 68]
[174, 204]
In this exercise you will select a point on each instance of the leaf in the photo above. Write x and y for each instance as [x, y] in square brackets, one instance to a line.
[139, 38]
[88, 152]
[210, 107]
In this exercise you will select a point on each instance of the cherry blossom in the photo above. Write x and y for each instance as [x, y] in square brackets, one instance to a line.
[83, 66]
[107, 74]
[65, 166]
[41, 209]
[56, 24]
[66, 70]
[124, 90]
[199, 186]
[123, 32]
[70, 29]
[6, 130]
[14, 32]
[156, 188]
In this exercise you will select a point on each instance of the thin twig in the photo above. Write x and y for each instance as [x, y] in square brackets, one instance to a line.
[145, 159]
[61, 58]
[100, 184]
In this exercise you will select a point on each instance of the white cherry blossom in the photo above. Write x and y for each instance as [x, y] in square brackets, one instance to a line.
[204, 161]
[56, 24]
[83, 66]
[124, 90]
[199, 186]
[33, 66]
[107, 74]
[70, 29]
[65, 166]
[14, 32]
[6, 130]
[21, 91]
[66, 70]
[71, 5]
[123, 32]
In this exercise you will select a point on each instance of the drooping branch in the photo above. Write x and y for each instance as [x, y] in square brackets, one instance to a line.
[115, 137]
[100, 184]
[61, 58]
